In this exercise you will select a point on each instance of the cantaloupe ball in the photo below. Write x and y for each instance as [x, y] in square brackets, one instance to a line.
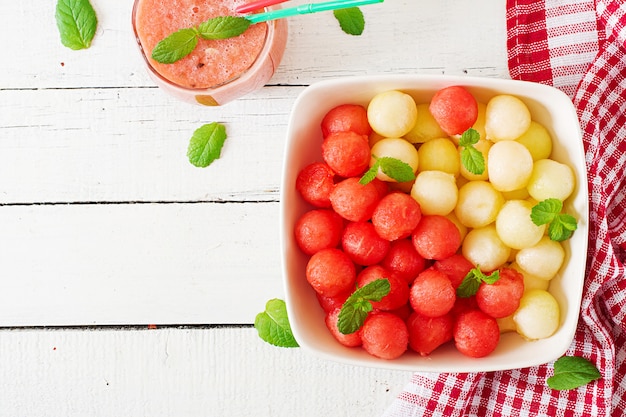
[551, 179]
[426, 127]
[435, 191]
[506, 118]
[506, 324]
[543, 259]
[515, 226]
[537, 140]
[483, 147]
[538, 315]
[439, 154]
[483, 248]
[397, 148]
[392, 113]
[510, 165]
[531, 282]
[478, 204]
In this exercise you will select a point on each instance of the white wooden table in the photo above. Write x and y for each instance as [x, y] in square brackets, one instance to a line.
[106, 228]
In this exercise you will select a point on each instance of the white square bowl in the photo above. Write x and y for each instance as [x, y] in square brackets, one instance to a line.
[548, 106]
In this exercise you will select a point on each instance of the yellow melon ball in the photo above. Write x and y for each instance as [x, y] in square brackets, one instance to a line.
[439, 155]
[543, 259]
[537, 140]
[531, 282]
[515, 226]
[510, 165]
[478, 204]
[483, 147]
[483, 248]
[538, 315]
[551, 179]
[396, 148]
[426, 127]
[392, 113]
[435, 191]
[506, 118]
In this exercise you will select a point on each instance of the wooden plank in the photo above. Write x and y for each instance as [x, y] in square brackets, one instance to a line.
[180, 372]
[403, 36]
[102, 264]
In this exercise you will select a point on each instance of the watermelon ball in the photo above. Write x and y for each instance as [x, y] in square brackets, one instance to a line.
[328, 304]
[385, 335]
[354, 201]
[318, 229]
[331, 272]
[403, 260]
[428, 333]
[362, 244]
[315, 182]
[346, 118]
[346, 153]
[436, 237]
[432, 293]
[396, 216]
[456, 267]
[399, 289]
[502, 298]
[464, 304]
[350, 340]
[455, 109]
[476, 334]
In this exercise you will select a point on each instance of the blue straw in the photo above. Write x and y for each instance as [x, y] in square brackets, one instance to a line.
[308, 8]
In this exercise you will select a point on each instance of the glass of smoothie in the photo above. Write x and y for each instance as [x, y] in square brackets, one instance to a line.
[217, 71]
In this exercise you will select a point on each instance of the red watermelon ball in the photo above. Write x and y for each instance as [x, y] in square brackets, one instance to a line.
[455, 109]
[476, 334]
[346, 118]
[347, 153]
[385, 335]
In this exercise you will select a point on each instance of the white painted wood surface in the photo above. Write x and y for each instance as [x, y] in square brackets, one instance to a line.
[103, 221]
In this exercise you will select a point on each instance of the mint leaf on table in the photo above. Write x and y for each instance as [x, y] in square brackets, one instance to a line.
[561, 226]
[205, 145]
[350, 20]
[77, 23]
[392, 167]
[473, 279]
[176, 46]
[471, 158]
[356, 308]
[223, 27]
[571, 372]
[273, 325]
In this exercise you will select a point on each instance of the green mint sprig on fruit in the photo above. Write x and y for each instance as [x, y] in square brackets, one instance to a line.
[571, 372]
[471, 158]
[273, 325]
[350, 20]
[561, 226]
[205, 145]
[356, 308]
[392, 167]
[473, 279]
[77, 23]
[182, 42]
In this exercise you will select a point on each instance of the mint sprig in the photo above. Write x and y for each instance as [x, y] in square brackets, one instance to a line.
[561, 226]
[205, 145]
[392, 167]
[571, 372]
[470, 284]
[273, 326]
[356, 308]
[471, 158]
[182, 42]
[350, 20]
[77, 23]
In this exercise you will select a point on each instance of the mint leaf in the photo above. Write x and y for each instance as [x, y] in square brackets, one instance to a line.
[176, 46]
[572, 372]
[205, 145]
[370, 174]
[471, 158]
[561, 226]
[470, 284]
[273, 325]
[351, 20]
[223, 27]
[355, 309]
[77, 22]
[392, 167]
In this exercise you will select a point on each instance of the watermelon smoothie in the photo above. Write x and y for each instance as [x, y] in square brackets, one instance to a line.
[217, 71]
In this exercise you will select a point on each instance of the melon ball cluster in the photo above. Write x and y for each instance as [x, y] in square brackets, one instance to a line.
[426, 235]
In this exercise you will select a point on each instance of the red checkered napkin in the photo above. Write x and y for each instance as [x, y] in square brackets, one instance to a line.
[578, 46]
